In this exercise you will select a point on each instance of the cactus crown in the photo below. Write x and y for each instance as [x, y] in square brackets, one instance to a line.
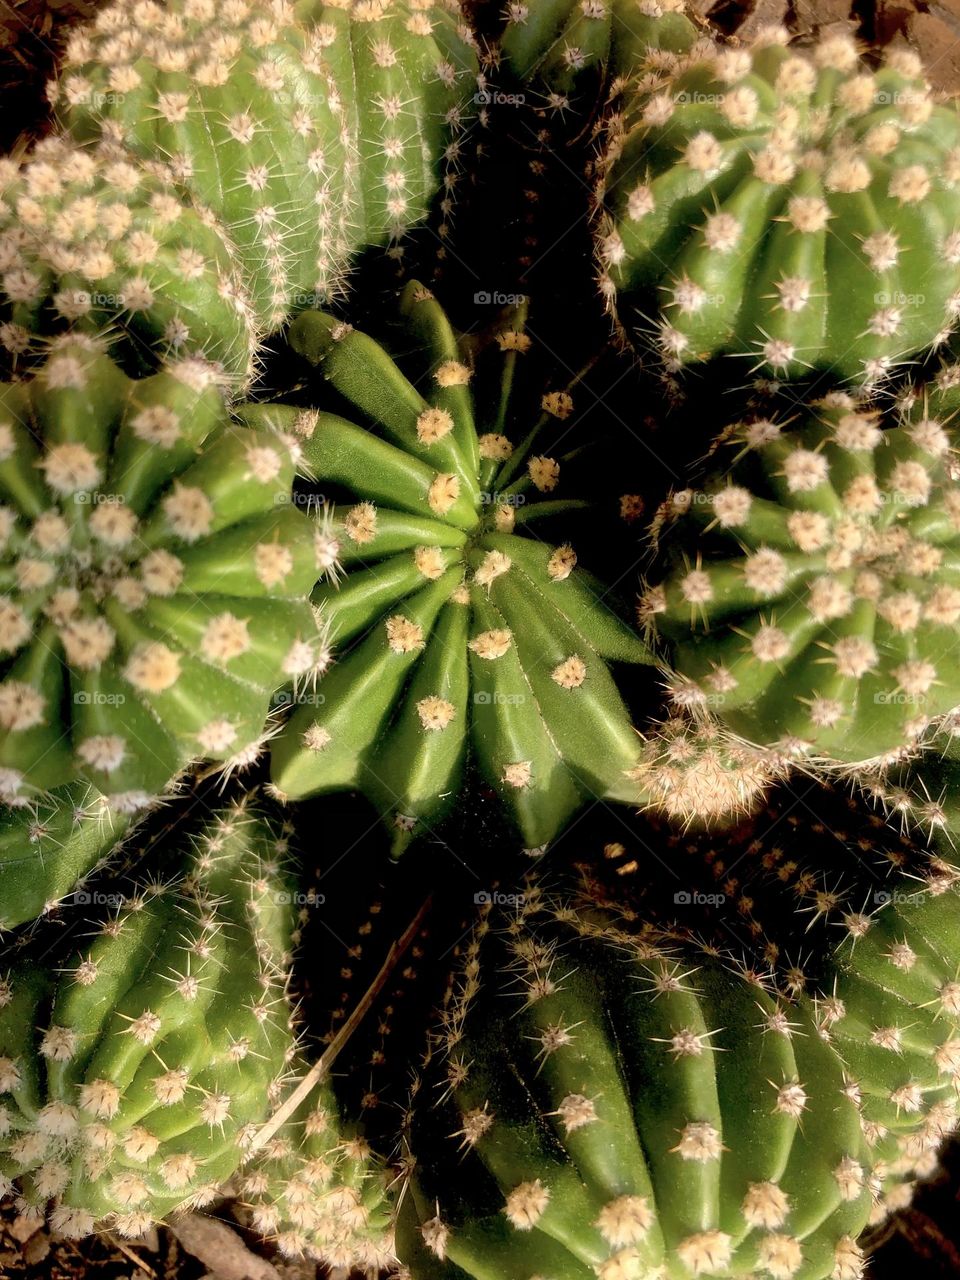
[811, 600]
[809, 208]
[157, 576]
[464, 620]
[134, 1076]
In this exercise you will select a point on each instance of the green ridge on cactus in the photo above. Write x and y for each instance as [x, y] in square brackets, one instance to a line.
[95, 241]
[811, 594]
[796, 208]
[310, 129]
[601, 1105]
[155, 576]
[47, 849]
[459, 619]
[133, 1075]
[557, 41]
[317, 1190]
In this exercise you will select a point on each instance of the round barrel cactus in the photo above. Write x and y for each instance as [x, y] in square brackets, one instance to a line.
[456, 622]
[318, 1191]
[155, 576]
[558, 42]
[810, 594]
[48, 848]
[793, 207]
[95, 241]
[310, 130]
[598, 1104]
[136, 1063]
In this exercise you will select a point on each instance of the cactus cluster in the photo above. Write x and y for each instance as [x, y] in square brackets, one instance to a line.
[725, 1039]
[135, 1069]
[796, 208]
[809, 593]
[310, 130]
[156, 576]
[463, 624]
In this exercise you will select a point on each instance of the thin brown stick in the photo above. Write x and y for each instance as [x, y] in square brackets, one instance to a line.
[359, 1012]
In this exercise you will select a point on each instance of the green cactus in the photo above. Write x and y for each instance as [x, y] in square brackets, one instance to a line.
[459, 621]
[155, 576]
[558, 42]
[48, 849]
[93, 241]
[809, 594]
[136, 1066]
[603, 1105]
[795, 208]
[309, 129]
[316, 1189]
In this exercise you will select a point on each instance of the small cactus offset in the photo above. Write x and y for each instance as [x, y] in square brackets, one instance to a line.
[136, 1069]
[602, 1105]
[156, 576]
[310, 130]
[93, 241]
[317, 1190]
[559, 42]
[696, 774]
[810, 596]
[794, 208]
[48, 848]
[464, 625]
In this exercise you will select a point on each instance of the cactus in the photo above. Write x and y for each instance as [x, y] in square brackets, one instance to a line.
[560, 42]
[696, 774]
[94, 242]
[809, 594]
[47, 850]
[602, 1105]
[136, 1065]
[460, 621]
[316, 1189]
[157, 574]
[796, 209]
[310, 130]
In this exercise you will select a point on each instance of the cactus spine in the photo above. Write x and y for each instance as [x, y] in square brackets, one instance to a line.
[466, 621]
[156, 576]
